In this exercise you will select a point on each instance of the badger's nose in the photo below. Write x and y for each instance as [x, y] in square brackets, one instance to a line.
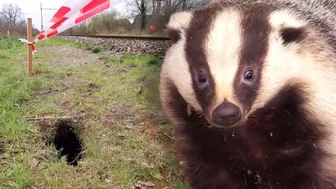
[226, 114]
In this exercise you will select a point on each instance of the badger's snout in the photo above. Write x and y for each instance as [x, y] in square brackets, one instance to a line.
[226, 114]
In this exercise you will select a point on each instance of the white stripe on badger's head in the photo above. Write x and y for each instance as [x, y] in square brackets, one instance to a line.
[284, 64]
[301, 56]
[222, 48]
[175, 68]
[179, 21]
[303, 60]
[177, 24]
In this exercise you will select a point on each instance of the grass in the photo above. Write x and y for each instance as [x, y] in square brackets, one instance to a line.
[122, 126]
[97, 49]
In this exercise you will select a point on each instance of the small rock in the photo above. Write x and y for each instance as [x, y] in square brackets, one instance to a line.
[121, 136]
[92, 86]
[108, 181]
[129, 127]
[33, 163]
[143, 185]
[4, 156]
[139, 90]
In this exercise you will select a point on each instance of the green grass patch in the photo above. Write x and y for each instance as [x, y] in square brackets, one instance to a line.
[97, 49]
[122, 126]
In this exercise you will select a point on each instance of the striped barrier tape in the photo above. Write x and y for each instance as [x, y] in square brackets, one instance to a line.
[72, 12]
[28, 43]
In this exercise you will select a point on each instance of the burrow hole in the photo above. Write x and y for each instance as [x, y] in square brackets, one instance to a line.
[67, 142]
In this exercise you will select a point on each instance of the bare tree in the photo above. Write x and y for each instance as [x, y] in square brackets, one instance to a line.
[12, 20]
[182, 5]
[163, 7]
[143, 14]
[156, 12]
[3, 25]
[12, 14]
[134, 8]
[140, 7]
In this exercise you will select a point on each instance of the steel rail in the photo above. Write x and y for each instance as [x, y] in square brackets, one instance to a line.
[120, 37]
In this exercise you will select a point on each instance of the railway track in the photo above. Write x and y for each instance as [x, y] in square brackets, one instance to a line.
[120, 45]
[122, 37]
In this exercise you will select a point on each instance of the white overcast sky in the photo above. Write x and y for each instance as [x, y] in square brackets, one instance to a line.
[31, 8]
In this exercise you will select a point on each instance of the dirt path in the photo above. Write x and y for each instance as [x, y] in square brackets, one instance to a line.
[69, 56]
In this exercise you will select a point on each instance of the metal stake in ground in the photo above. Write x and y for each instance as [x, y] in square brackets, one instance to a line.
[30, 47]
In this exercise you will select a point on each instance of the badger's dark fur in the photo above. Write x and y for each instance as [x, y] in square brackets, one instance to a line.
[286, 135]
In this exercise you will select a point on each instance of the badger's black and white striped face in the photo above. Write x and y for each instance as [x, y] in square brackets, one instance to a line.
[227, 62]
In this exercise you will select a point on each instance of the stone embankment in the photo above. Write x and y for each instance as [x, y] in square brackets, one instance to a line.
[121, 46]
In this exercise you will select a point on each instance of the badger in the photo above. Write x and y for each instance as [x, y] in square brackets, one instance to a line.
[250, 88]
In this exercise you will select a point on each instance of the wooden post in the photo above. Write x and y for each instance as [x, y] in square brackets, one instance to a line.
[8, 33]
[29, 47]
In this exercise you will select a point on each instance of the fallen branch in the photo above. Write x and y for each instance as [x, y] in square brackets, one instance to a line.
[50, 118]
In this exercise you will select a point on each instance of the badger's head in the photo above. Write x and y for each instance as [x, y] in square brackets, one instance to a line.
[228, 61]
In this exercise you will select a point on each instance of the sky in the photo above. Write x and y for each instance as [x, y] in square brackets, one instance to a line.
[31, 8]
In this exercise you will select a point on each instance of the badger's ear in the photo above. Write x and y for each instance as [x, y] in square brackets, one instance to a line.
[178, 22]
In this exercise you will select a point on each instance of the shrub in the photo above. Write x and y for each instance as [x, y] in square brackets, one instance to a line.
[97, 49]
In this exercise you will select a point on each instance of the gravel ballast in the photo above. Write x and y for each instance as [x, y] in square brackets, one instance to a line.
[119, 46]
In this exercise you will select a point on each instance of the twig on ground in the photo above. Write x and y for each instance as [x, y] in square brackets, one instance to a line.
[49, 118]
[165, 134]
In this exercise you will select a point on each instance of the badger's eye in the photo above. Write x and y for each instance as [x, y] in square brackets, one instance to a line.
[202, 81]
[202, 78]
[248, 75]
